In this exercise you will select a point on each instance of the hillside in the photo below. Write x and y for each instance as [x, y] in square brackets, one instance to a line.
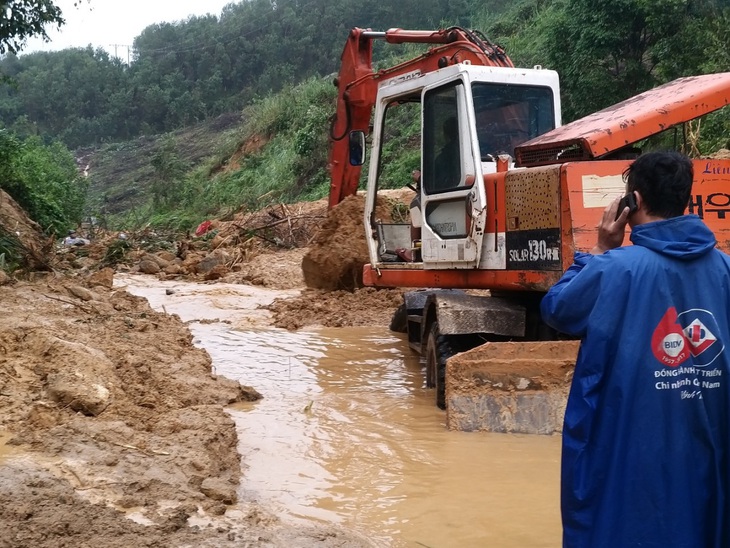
[121, 174]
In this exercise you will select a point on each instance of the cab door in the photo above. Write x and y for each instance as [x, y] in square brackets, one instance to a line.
[453, 202]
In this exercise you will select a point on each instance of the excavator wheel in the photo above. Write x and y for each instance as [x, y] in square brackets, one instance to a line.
[438, 350]
[399, 321]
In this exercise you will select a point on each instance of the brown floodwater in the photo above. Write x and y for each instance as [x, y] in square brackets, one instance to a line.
[347, 433]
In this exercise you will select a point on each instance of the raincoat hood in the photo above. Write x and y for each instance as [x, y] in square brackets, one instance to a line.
[685, 237]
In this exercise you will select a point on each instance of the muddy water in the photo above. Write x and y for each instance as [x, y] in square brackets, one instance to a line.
[346, 432]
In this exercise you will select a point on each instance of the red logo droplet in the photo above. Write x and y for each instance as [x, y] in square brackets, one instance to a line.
[668, 342]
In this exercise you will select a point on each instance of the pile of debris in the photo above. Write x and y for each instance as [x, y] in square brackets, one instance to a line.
[328, 246]
[339, 251]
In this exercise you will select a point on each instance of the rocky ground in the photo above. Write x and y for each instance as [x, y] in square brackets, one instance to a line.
[113, 430]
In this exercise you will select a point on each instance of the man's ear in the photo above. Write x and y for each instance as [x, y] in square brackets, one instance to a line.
[639, 199]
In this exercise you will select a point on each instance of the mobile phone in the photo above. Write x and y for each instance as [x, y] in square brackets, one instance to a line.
[627, 201]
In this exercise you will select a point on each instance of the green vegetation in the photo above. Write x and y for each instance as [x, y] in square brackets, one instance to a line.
[186, 72]
[618, 48]
[25, 18]
[44, 180]
[280, 155]
[283, 149]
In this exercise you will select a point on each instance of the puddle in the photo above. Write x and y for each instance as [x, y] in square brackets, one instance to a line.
[347, 433]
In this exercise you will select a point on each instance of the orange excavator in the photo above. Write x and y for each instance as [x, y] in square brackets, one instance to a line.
[506, 194]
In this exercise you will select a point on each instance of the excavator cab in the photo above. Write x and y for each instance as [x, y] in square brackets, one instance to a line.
[471, 116]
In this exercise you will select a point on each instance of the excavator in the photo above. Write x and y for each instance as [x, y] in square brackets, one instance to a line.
[506, 193]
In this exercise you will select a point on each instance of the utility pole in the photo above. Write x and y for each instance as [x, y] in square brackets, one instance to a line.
[115, 46]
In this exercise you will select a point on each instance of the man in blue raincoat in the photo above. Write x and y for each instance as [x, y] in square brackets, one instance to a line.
[646, 436]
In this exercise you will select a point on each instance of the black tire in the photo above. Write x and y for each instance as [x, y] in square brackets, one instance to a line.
[399, 321]
[438, 350]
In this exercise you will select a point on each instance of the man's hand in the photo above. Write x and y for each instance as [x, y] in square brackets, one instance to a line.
[611, 230]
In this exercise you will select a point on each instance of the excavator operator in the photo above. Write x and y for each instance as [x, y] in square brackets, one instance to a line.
[447, 164]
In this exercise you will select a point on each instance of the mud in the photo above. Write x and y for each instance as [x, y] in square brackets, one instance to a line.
[339, 251]
[116, 412]
[26, 236]
[113, 427]
[319, 308]
[15, 221]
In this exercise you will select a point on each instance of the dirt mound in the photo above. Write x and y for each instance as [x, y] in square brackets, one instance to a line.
[14, 219]
[315, 307]
[280, 270]
[25, 236]
[339, 251]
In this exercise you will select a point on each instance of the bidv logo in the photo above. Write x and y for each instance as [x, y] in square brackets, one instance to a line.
[692, 333]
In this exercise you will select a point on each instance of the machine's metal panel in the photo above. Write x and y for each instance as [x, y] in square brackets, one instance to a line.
[629, 121]
[532, 202]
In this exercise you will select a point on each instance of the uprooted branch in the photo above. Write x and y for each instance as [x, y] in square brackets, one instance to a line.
[280, 226]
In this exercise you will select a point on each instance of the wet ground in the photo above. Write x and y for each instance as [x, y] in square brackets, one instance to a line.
[346, 432]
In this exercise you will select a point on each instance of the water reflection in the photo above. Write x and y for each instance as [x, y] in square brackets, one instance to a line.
[347, 433]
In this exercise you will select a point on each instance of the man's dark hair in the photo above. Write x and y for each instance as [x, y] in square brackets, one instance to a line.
[664, 180]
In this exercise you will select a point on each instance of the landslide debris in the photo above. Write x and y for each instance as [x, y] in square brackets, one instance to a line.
[257, 248]
[111, 409]
[317, 307]
[339, 251]
[279, 247]
[116, 402]
[22, 243]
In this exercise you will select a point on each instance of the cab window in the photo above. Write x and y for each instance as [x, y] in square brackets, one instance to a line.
[443, 145]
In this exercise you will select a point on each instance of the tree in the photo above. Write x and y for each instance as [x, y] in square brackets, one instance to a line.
[189, 70]
[608, 50]
[57, 191]
[21, 19]
[169, 171]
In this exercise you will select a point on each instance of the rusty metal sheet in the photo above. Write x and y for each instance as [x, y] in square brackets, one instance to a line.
[629, 121]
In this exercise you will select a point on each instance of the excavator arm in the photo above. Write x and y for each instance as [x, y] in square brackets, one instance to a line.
[357, 85]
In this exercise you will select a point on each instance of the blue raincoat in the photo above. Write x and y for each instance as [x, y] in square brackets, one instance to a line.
[646, 436]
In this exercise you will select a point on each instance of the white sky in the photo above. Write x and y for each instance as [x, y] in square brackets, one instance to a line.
[103, 23]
